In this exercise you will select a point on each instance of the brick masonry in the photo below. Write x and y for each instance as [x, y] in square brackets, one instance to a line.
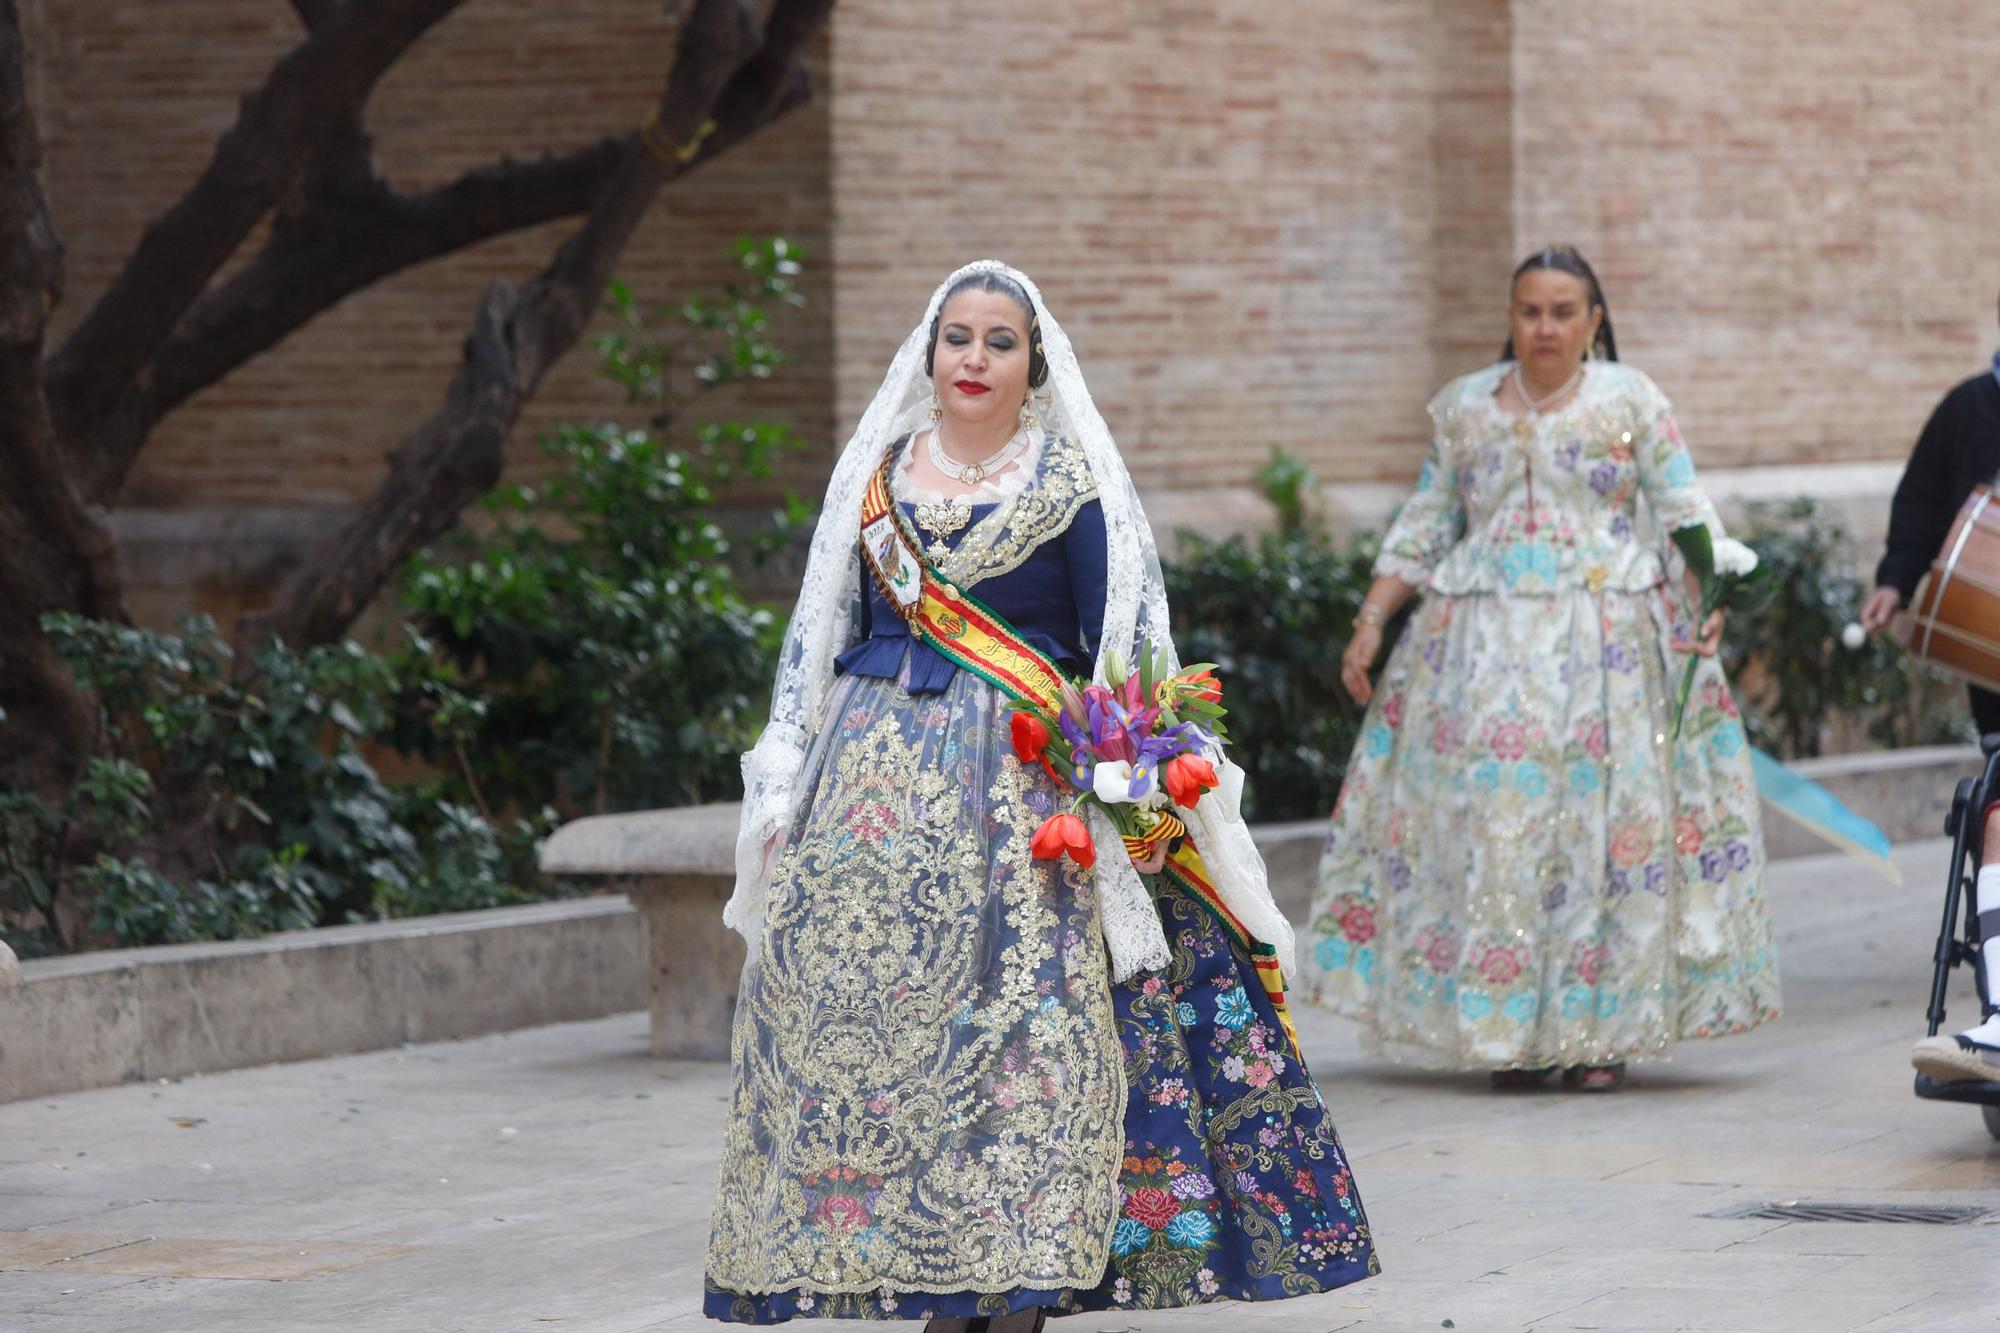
[1262, 225]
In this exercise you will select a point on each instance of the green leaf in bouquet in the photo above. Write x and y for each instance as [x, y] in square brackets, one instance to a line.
[1698, 549]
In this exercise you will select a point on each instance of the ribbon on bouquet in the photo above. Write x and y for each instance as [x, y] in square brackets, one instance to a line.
[972, 636]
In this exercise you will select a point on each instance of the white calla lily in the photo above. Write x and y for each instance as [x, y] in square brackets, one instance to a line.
[1111, 780]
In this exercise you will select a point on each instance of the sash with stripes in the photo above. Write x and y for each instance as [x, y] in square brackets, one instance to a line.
[974, 637]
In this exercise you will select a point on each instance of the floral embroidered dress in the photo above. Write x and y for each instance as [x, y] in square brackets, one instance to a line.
[1523, 870]
[942, 1105]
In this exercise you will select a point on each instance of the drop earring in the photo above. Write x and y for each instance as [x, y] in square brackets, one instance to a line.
[937, 408]
[1028, 413]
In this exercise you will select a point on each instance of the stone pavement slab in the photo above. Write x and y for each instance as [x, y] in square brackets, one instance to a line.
[559, 1178]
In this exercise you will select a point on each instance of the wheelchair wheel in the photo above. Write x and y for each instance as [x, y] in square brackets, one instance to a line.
[1992, 1115]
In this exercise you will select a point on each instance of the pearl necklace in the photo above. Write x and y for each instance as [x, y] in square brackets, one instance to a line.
[971, 474]
[1524, 430]
[1535, 405]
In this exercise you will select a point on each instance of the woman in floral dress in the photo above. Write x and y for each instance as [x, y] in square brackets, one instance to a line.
[1527, 871]
[970, 1085]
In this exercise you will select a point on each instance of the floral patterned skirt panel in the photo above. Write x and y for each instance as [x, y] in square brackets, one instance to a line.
[1523, 868]
[1230, 1179]
[927, 1086]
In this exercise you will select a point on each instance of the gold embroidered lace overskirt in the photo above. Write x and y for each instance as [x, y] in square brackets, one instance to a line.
[927, 1081]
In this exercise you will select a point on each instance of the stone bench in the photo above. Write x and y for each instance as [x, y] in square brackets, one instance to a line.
[677, 867]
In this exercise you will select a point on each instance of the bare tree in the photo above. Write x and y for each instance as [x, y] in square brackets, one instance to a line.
[74, 421]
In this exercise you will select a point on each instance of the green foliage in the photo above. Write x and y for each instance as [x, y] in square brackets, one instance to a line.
[1796, 682]
[586, 647]
[596, 618]
[223, 804]
[1275, 614]
[1288, 484]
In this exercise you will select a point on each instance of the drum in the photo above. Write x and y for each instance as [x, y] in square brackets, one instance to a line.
[1955, 619]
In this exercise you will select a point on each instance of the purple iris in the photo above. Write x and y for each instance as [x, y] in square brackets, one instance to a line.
[1118, 728]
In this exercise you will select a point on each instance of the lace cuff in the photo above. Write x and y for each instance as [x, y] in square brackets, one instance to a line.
[1131, 921]
[770, 772]
[1413, 572]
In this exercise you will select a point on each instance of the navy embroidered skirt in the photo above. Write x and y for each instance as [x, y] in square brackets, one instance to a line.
[1234, 1185]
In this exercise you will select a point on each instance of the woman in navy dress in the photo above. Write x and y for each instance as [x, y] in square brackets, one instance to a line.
[952, 1101]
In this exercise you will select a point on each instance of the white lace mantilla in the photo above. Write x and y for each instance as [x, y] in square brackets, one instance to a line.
[827, 619]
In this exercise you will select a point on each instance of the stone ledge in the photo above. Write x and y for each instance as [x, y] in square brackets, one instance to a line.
[91, 1020]
[95, 1019]
[1907, 793]
[686, 840]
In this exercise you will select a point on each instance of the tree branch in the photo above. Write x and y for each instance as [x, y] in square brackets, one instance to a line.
[309, 95]
[330, 253]
[721, 73]
[59, 554]
[314, 13]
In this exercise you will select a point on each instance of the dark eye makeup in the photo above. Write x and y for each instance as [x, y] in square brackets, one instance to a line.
[999, 342]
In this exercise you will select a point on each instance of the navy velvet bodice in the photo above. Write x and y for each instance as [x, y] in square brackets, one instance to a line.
[1055, 599]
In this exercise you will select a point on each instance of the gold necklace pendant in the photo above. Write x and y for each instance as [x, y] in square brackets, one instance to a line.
[941, 518]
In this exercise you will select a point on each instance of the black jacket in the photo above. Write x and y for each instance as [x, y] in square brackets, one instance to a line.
[1959, 449]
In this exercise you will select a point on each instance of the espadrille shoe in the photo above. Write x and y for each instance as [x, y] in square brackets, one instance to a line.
[1952, 1060]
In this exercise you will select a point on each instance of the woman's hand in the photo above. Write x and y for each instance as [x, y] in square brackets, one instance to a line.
[1155, 860]
[1709, 642]
[1363, 646]
[1880, 609]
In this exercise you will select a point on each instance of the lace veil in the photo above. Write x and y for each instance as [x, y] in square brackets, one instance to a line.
[827, 618]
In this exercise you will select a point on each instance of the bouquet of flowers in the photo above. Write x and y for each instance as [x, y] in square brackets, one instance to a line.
[1134, 748]
[1725, 567]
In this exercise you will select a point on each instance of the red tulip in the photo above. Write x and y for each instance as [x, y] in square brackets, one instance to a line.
[1188, 776]
[1031, 737]
[1064, 834]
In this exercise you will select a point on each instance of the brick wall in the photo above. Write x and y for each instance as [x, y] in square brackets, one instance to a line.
[1262, 229]
[1793, 205]
[1260, 224]
[1230, 212]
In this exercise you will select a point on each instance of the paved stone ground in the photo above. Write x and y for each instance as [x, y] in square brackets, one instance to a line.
[560, 1178]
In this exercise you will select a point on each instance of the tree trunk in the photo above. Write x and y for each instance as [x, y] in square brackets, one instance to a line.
[58, 554]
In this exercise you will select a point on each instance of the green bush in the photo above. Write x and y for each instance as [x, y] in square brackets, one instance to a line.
[1275, 614]
[1797, 684]
[222, 804]
[596, 617]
